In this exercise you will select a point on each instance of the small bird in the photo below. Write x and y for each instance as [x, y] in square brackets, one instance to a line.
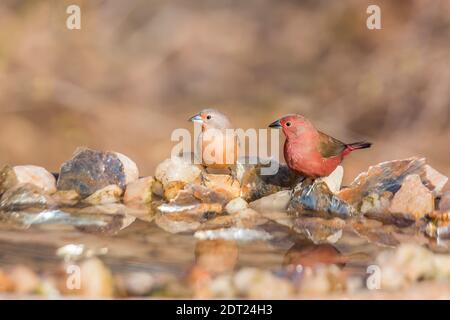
[309, 152]
[217, 141]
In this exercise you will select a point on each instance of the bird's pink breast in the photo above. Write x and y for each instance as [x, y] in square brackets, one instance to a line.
[303, 157]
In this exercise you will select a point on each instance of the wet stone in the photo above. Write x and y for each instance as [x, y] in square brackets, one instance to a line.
[172, 189]
[386, 176]
[277, 202]
[233, 233]
[194, 200]
[108, 194]
[33, 175]
[334, 180]
[376, 206]
[376, 203]
[438, 225]
[255, 185]
[317, 199]
[236, 205]
[375, 232]
[319, 230]
[444, 202]
[91, 170]
[434, 180]
[176, 169]
[409, 264]
[177, 222]
[139, 191]
[223, 184]
[25, 196]
[413, 198]
[66, 197]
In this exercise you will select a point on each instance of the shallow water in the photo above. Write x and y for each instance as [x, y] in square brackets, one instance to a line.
[144, 247]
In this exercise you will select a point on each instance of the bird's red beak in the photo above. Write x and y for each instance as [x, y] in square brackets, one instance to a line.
[275, 125]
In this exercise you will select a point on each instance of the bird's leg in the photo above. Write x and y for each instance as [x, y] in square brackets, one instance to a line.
[203, 177]
[233, 175]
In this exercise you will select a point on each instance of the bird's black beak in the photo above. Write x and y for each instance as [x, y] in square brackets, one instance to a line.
[196, 118]
[275, 124]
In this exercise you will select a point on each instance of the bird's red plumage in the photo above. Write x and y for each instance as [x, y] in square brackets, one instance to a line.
[309, 152]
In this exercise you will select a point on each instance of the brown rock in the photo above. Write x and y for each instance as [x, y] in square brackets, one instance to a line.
[223, 184]
[37, 176]
[376, 203]
[385, 176]
[66, 198]
[248, 218]
[108, 194]
[139, 191]
[172, 189]
[434, 180]
[444, 203]
[413, 198]
[157, 188]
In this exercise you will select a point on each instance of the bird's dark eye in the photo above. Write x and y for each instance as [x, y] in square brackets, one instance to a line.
[288, 124]
[208, 116]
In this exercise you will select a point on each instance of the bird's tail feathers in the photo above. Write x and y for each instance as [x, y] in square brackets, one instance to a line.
[358, 145]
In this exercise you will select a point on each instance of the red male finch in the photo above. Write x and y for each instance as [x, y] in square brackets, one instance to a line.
[309, 152]
[217, 141]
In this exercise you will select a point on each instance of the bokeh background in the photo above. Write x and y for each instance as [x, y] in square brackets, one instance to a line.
[138, 69]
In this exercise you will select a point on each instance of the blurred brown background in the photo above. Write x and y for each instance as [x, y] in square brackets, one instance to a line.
[138, 69]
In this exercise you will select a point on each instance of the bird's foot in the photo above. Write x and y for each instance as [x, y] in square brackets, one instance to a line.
[204, 179]
[232, 176]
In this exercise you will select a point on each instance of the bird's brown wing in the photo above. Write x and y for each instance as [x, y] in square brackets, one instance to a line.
[329, 146]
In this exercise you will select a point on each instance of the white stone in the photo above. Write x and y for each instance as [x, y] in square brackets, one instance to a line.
[236, 205]
[176, 169]
[37, 176]
[129, 167]
[334, 180]
[276, 202]
[436, 179]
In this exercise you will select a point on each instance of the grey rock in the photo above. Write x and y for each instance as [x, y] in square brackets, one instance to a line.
[316, 198]
[91, 170]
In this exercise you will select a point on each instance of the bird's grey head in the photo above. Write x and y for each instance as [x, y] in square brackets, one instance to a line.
[212, 118]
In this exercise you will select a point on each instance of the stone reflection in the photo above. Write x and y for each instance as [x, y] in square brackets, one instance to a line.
[216, 256]
[307, 254]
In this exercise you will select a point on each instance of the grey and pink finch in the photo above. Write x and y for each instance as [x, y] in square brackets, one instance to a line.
[309, 152]
[217, 141]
